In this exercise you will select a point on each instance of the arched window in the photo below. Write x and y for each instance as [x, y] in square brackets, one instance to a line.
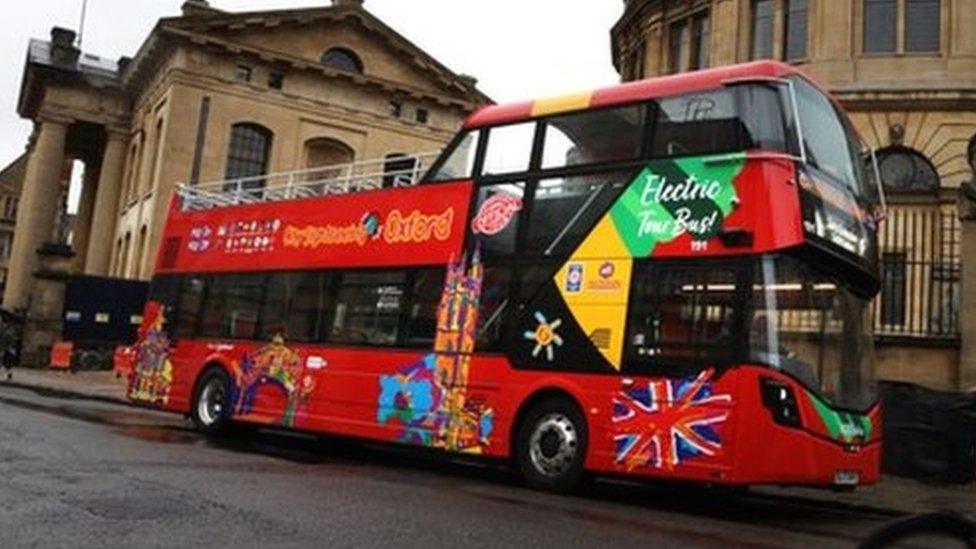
[325, 158]
[343, 59]
[248, 154]
[905, 170]
[399, 170]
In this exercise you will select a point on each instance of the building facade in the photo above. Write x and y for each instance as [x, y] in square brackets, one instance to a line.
[11, 178]
[213, 95]
[905, 71]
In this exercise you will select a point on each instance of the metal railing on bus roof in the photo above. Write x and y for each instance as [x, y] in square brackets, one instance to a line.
[337, 179]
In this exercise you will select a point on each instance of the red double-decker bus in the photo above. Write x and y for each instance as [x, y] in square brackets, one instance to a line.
[666, 278]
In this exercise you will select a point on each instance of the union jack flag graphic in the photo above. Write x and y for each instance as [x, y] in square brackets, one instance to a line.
[667, 421]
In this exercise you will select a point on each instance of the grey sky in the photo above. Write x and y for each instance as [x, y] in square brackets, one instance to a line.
[517, 49]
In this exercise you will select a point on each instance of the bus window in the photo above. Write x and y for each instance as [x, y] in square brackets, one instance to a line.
[500, 230]
[231, 307]
[308, 314]
[425, 295]
[492, 309]
[824, 136]
[731, 119]
[565, 208]
[274, 313]
[191, 304]
[460, 162]
[592, 137]
[165, 289]
[683, 315]
[368, 306]
[509, 148]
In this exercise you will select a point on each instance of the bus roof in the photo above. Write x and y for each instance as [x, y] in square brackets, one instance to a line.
[494, 115]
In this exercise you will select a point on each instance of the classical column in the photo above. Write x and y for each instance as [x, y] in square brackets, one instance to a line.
[102, 233]
[83, 219]
[37, 210]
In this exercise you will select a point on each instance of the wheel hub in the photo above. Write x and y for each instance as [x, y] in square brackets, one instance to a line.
[554, 444]
[211, 405]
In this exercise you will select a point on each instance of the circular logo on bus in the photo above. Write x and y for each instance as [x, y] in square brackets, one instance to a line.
[371, 224]
[495, 214]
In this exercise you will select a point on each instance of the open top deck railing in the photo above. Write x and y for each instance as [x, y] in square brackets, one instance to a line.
[338, 179]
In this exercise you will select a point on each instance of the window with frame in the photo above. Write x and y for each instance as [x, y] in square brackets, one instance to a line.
[420, 321]
[921, 20]
[248, 154]
[763, 12]
[684, 315]
[795, 29]
[509, 148]
[459, 163]
[232, 306]
[688, 42]
[343, 59]
[368, 307]
[507, 202]
[824, 136]
[593, 137]
[165, 290]
[676, 46]
[700, 41]
[192, 293]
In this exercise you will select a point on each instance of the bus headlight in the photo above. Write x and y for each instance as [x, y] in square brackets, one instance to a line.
[779, 399]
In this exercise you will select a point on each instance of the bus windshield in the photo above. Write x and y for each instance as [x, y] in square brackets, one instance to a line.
[811, 326]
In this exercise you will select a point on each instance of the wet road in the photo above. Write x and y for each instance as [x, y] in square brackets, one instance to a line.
[76, 472]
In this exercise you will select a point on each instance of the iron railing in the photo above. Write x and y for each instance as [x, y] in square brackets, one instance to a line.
[920, 270]
[368, 175]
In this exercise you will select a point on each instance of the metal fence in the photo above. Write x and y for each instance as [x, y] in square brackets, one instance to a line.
[920, 270]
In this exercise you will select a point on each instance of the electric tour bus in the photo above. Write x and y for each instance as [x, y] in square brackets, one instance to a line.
[662, 279]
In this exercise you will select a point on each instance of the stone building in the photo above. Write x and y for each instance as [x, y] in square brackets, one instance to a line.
[11, 178]
[213, 95]
[905, 71]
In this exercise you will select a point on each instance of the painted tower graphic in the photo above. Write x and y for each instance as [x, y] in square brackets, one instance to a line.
[152, 376]
[430, 398]
[273, 367]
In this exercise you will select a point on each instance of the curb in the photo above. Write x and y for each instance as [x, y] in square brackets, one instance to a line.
[64, 393]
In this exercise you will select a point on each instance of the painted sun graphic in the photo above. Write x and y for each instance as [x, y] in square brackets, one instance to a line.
[545, 336]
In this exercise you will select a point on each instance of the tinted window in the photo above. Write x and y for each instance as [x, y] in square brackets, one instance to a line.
[498, 221]
[566, 208]
[368, 306]
[460, 162]
[592, 137]
[796, 29]
[730, 119]
[509, 148]
[308, 315]
[762, 29]
[232, 306]
[824, 135]
[165, 289]
[880, 20]
[922, 25]
[191, 305]
[421, 318]
[683, 314]
[493, 306]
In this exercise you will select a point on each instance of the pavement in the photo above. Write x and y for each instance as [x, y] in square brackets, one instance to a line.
[892, 495]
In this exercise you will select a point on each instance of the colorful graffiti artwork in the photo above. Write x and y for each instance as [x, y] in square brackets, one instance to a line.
[428, 398]
[279, 368]
[152, 376]
[668, 421]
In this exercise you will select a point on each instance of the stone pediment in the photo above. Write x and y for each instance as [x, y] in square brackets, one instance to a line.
[301, 37]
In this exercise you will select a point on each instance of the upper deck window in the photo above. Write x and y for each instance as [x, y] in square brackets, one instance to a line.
[592, 137]
[509, 148]
[825, 137]
[460, 160]
[725, 120]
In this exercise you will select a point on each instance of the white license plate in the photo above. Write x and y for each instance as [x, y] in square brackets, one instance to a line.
[846, 478]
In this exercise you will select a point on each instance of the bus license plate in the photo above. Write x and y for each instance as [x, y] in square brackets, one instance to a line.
[846, 478]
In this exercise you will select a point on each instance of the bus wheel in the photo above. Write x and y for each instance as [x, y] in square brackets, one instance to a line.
[211, 401]
[551, 445]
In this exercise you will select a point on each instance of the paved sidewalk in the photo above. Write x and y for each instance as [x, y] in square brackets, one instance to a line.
[892, 494]
[100, 385]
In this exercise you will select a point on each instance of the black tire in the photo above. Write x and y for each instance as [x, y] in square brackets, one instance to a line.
[210, 411]
[550, 448]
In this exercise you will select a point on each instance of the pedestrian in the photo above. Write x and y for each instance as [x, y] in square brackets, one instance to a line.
[8, 346]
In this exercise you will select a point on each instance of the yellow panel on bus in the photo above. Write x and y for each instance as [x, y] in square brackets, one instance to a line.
[596, 291]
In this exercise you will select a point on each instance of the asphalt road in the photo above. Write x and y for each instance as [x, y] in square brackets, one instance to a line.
[77, 472]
